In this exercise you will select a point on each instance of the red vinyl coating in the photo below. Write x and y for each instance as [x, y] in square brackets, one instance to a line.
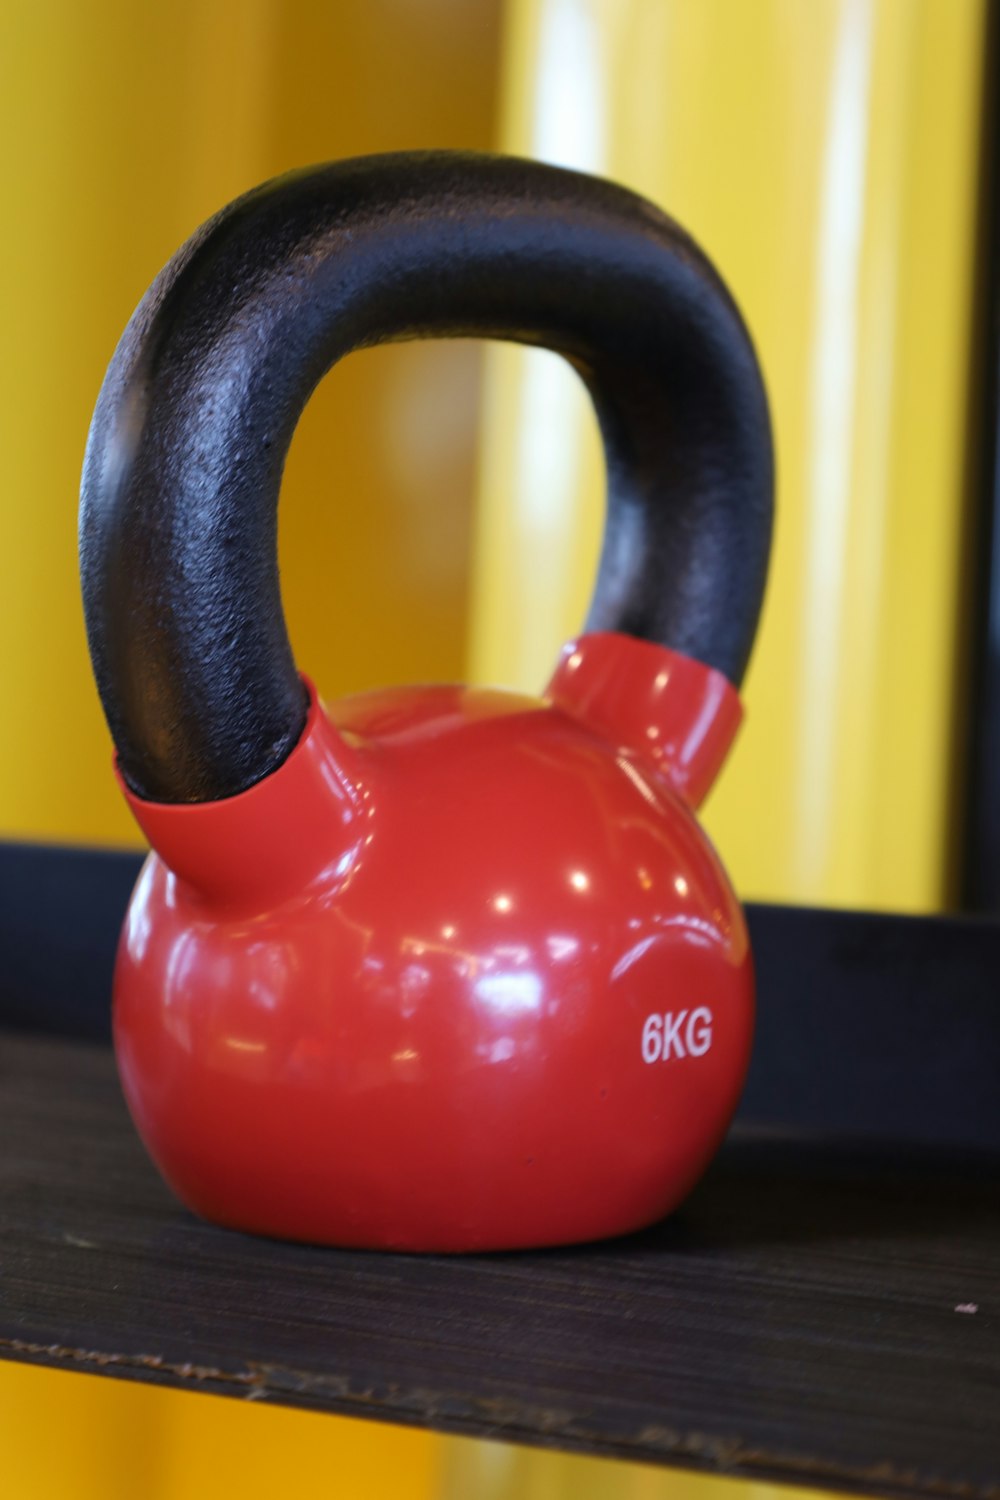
[671, 709]
[463, 973]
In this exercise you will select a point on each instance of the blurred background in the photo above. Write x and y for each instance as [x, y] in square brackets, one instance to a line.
[443, 502]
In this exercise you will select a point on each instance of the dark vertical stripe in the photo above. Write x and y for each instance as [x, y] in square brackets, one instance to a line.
[977, 828]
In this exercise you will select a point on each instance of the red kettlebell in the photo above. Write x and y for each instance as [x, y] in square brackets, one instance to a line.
[433, 968]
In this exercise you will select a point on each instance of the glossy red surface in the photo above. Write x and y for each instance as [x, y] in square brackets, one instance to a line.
[463, 974]
[672, 710]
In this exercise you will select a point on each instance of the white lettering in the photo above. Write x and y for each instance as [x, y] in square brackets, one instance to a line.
[699, 1031]
[672, 1034]
[652, 1039]
[667, 1036]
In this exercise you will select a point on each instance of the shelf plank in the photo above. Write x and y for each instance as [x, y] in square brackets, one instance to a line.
[823, 1314]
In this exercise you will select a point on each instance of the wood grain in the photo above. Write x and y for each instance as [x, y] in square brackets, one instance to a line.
[820, 1314]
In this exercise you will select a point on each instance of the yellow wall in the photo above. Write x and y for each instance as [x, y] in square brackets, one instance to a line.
[125, 126]
[121, 1441]
[826, 155]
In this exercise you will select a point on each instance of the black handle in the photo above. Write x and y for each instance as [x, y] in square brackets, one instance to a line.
[178, 520]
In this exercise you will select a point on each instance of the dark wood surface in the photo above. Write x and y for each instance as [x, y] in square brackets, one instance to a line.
[823, 1314]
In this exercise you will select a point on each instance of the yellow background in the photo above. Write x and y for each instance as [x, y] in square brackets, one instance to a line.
[825, 152]
[126, 125]
[118, 1441]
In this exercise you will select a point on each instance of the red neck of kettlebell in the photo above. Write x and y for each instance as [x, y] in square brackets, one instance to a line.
[274, 839]
[668, 709]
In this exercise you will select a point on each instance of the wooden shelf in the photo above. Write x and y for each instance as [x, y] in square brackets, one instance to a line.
[808, 1316]
[824, 1310]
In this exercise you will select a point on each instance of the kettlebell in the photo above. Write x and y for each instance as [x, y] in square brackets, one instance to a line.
[432, 968]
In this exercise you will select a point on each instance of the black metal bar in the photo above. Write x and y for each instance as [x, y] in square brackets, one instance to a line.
[61, 910]
[978, 826]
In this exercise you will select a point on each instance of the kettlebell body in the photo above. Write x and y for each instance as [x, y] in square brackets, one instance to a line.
[464, 973]
[437, 968]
